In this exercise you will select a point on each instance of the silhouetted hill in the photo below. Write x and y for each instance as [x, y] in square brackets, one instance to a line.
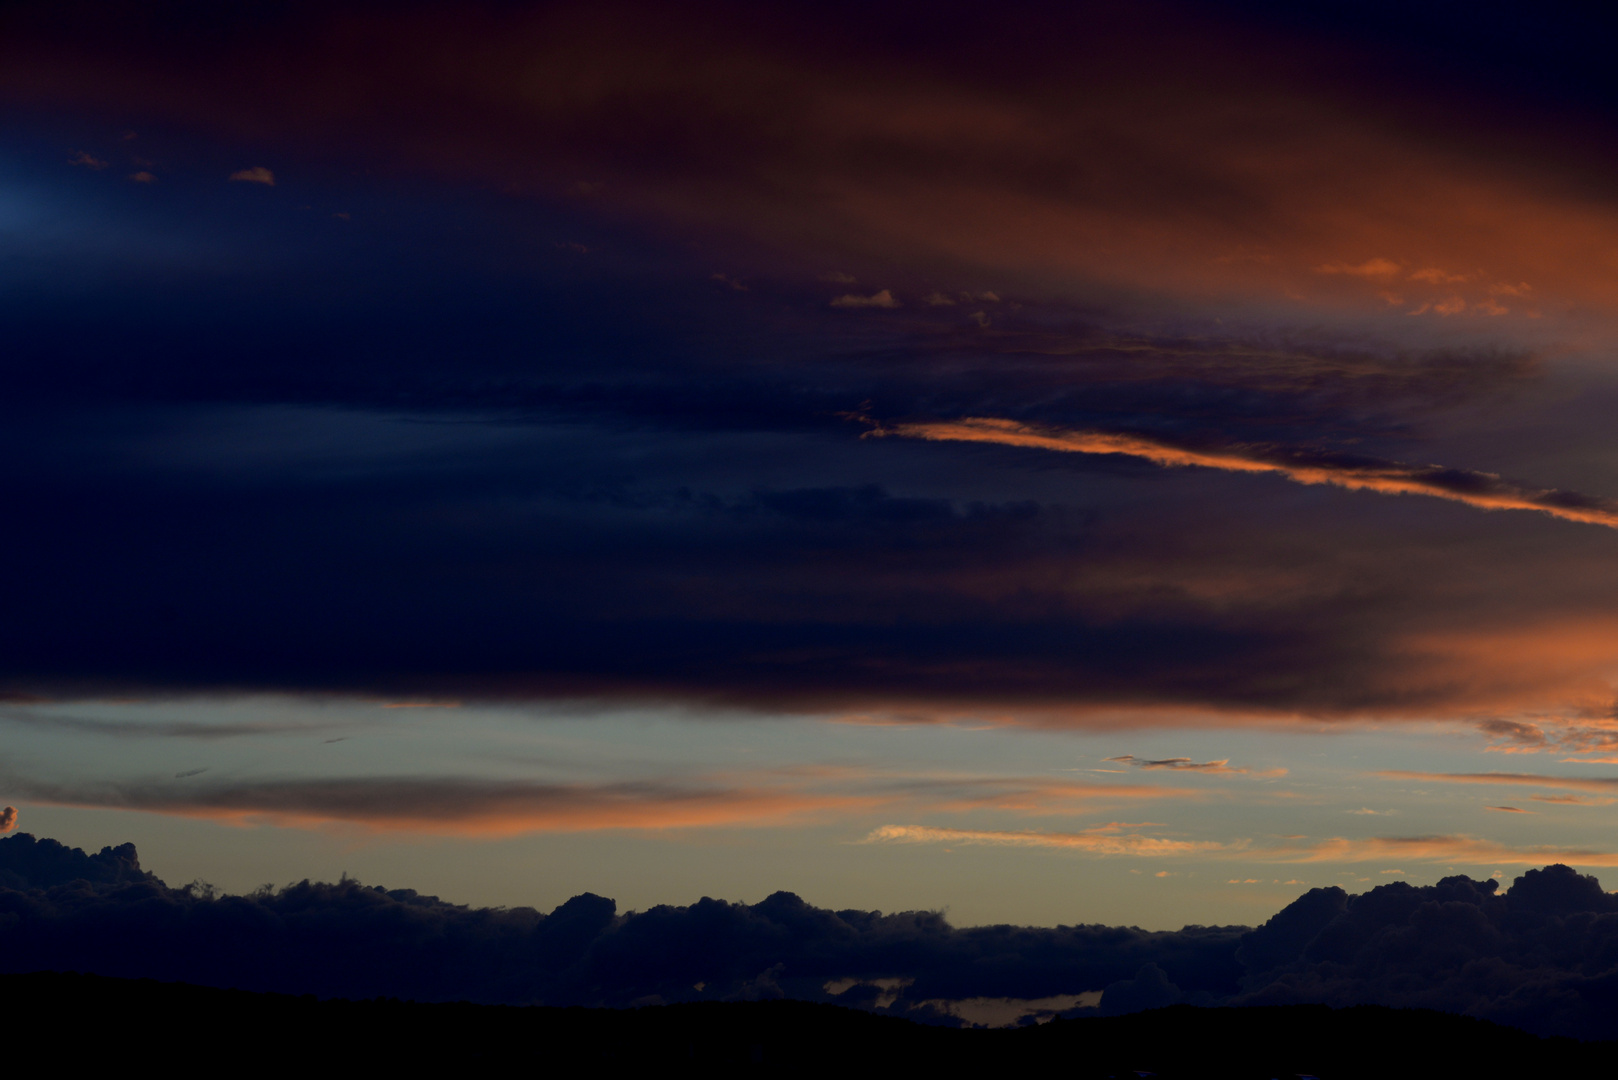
[262, 1034]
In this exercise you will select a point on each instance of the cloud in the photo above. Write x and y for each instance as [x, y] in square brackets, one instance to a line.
[258, 174]
[1580, 783]
[457, 807]
[1572, 800]
[1373, 268]
[469, 806]
[1538, 956]
[143, 177]
[1451, 849]
[1484, 491]
[1509, 809]
[1519, 736]
[1188, 765]
[883, 299]
[88, 160]
[159, 729]
[8, 819]
[1435, 276]
[1104, 840]
[327, 939]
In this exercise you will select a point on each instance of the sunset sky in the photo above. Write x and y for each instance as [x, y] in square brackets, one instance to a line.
[1123, 464]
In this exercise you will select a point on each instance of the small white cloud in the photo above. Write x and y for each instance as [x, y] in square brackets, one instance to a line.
[883, 299]
[143, 177]
[938, 299]
[1399, 872]
[88, 160]
[258, 174]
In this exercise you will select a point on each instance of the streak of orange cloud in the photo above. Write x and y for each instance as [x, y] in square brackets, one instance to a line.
[471, 809]
[1467, 850]
[1484, 491]
[1100, 841]
[1577, 783]
[1106, 841]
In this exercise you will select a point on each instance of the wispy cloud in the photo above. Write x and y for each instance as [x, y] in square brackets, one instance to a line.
[1111, 840]
[1101, 840]
[1468, 850]
[1184, 764]
[1485, 491]
[1577, 783]
[159, 729]
[454, 806]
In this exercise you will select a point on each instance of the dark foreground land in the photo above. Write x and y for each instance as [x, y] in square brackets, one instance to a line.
[95, 1020]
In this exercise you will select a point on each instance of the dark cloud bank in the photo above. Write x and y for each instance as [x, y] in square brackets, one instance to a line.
[1543, 956]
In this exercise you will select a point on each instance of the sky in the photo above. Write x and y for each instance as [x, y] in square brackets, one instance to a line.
[1127, 464]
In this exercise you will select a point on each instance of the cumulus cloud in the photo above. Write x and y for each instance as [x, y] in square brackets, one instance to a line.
[258, 174]
[1539, 956]
[1516, 736]
[8, 819]
[1485, 491]
[349, 940]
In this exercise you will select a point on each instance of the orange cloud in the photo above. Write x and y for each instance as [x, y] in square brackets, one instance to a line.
[451, 807]
[1107, 840]
[1586, 783]
[1100, 841]
[1435, 849]
[1485, 491]
[472, 807]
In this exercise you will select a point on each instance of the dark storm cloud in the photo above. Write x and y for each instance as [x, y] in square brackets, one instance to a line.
[468, 402]
[1539, 957]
